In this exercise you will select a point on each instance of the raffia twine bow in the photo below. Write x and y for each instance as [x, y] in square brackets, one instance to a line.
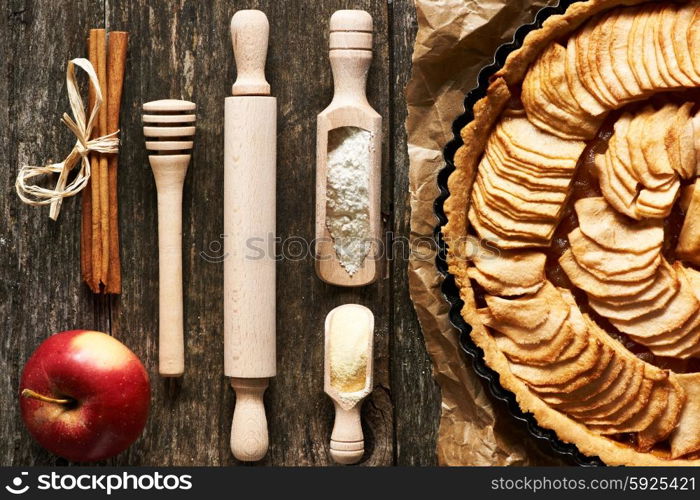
[33, 194]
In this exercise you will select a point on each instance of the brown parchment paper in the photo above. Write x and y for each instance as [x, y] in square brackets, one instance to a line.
[455, 39]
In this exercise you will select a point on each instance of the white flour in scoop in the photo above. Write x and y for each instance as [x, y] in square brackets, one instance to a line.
[347, 205]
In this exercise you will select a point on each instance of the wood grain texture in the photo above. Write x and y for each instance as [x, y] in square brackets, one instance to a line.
[249, 221]
[416, 396]
[182, 50]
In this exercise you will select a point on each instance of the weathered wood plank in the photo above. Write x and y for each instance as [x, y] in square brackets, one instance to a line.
[185, 52]
[415, 395]
[174, 52]
[300, 75]
[40, 287]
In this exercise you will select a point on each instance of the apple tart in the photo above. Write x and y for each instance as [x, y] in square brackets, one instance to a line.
[573, 228]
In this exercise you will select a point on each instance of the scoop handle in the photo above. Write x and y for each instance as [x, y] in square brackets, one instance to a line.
[350, 44]
[250, 32]
[249, 439]
[347, 440]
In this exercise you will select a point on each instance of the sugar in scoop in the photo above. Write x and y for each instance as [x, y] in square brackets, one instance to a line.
[349, 332]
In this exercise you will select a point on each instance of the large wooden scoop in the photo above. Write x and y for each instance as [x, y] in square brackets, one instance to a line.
[351, 56]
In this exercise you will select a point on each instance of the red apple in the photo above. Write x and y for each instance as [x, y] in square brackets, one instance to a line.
[84, 395]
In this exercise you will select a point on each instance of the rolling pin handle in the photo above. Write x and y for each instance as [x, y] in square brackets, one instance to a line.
[249, 440]
[250, 31]
[347, 440]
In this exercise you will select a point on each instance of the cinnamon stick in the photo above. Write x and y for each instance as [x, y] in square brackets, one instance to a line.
[115, 67]
[99, 245]
[95, 219]
[86, 234]
[103, 174]
[86, 196]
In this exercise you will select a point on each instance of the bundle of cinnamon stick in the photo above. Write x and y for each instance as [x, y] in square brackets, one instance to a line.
[99, 238]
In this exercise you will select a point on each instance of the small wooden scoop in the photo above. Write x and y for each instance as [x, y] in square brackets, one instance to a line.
[351, 56]
[169, 127]
[348, 363]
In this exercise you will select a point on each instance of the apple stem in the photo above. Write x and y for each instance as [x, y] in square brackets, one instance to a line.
[28, 393]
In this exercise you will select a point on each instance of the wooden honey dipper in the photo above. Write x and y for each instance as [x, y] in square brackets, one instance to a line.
[169, 128]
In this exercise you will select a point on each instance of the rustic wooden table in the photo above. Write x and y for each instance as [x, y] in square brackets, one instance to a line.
[182, 49]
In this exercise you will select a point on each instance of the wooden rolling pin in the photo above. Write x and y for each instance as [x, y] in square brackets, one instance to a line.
[348, 363]
[169, 127]
[351, 56]
[250, 136]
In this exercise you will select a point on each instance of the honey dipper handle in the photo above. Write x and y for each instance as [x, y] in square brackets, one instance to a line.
[250, 30]
[347, 440]
[169, 172]
[249, 440]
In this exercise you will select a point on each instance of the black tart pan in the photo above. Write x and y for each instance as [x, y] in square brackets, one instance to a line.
[449, 288]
